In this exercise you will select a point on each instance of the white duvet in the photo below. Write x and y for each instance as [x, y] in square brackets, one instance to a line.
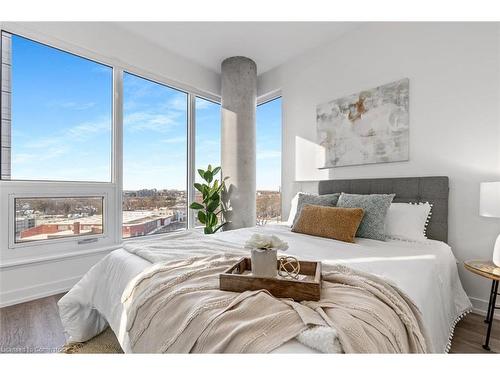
[426, 272]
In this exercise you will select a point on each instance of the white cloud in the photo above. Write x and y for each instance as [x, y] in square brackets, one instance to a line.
[72, 105]
[61, 139]
[88, 129]
[58, 145]
[177, 102]
[159, 122]
[203, 104]
[47, 154]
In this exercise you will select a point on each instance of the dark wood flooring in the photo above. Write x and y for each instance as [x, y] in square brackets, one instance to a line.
[35, 327]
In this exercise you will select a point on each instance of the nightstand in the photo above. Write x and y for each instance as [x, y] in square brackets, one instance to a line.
[488, 269]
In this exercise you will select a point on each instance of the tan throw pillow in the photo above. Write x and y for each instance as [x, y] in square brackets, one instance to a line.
[331, 222]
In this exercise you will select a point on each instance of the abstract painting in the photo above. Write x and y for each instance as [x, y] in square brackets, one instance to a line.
[365, 128]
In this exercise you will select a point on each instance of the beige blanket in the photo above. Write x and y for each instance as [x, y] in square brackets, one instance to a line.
[177, 307]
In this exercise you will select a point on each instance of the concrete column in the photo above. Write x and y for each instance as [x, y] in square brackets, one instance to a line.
[239, 100]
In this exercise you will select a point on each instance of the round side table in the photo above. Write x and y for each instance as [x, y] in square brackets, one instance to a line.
[488, 269]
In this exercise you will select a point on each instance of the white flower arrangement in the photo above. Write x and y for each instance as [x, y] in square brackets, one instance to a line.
[262, 242]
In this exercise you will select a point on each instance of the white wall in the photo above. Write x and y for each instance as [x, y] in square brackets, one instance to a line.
[454, 72]
[29, 273]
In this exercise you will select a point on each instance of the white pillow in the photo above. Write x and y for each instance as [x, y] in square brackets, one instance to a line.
[293, 208]
[407, 221]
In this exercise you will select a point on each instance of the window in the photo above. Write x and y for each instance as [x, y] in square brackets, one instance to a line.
[64, 180]
[56, 190]
[154, 157]
[56, 114]
[207, 140]
[268, 144]
[39, 219]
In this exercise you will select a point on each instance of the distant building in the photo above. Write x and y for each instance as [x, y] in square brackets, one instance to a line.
[23, 223]
[147, 226]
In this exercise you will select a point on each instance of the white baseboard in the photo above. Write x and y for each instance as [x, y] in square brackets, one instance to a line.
[31, 293]
[480, 306]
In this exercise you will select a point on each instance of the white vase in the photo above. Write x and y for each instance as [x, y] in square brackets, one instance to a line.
[264, 262]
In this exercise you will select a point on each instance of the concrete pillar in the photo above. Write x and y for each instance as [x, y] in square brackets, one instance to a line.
[239, 100]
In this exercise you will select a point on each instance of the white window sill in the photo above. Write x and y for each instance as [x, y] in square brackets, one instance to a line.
[47, 259]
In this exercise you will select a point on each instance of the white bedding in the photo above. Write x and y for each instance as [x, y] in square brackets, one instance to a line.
[426, 272]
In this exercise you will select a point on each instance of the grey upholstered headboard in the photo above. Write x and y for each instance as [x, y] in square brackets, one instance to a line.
[407, 189]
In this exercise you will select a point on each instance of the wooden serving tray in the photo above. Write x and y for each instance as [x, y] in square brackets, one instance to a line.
[239, 278]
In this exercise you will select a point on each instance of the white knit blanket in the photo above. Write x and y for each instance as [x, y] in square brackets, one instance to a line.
[176, 306]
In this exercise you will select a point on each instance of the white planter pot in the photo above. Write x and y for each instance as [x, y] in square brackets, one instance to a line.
[264, 262]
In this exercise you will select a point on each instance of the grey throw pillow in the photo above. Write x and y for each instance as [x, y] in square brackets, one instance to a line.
[329, 200]
[375, 207]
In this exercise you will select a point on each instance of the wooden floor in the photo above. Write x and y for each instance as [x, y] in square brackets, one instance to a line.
[35, 327]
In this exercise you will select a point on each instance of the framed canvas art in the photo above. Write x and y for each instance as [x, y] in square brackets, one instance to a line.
[369, 127]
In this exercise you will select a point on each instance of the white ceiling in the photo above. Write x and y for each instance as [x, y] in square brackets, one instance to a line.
[269, 44]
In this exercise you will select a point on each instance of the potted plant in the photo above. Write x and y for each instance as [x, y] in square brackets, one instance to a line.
[264, 254]
[211, 205]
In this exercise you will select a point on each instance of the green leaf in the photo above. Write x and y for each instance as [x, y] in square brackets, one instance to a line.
[208, 230]
[202, 217]
[208, 176]
[209, 167]
[206, 190]
[201, 172]
[198, 187]
[196, 206]
[212, 205]
[216, 170]
[211, 219]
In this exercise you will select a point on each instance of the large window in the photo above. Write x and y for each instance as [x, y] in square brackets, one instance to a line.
[56, 114]
[56, 147]
[268, 179]
[207, 140]
[154, 157]
[84, 142]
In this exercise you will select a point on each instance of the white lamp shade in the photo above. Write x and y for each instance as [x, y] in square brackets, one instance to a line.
[489, 199]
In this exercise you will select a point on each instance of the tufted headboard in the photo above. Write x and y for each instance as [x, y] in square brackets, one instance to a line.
[434, 190]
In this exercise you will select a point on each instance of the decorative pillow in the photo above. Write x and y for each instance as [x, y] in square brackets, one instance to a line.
[293, 208]
[407, 221]
[330, 222]
[329, 200]
[375, 207]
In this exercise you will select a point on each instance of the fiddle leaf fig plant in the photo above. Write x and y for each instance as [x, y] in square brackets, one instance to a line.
[211, 205]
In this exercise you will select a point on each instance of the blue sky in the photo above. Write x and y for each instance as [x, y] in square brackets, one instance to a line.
[61, 115]
[61, 124]
[269, 145]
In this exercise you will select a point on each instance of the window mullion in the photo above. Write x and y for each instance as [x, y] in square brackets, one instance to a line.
[191, 162]
[117, 154]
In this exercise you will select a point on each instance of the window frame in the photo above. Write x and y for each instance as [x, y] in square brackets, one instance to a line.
[12, 211]
[192, 158]
[264, 99]
[189, 148]
[110, 176]
[111, 237]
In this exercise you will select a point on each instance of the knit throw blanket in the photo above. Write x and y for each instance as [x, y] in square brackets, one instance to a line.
[176, 307]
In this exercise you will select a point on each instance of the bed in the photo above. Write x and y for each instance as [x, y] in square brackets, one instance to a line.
[425, 271]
